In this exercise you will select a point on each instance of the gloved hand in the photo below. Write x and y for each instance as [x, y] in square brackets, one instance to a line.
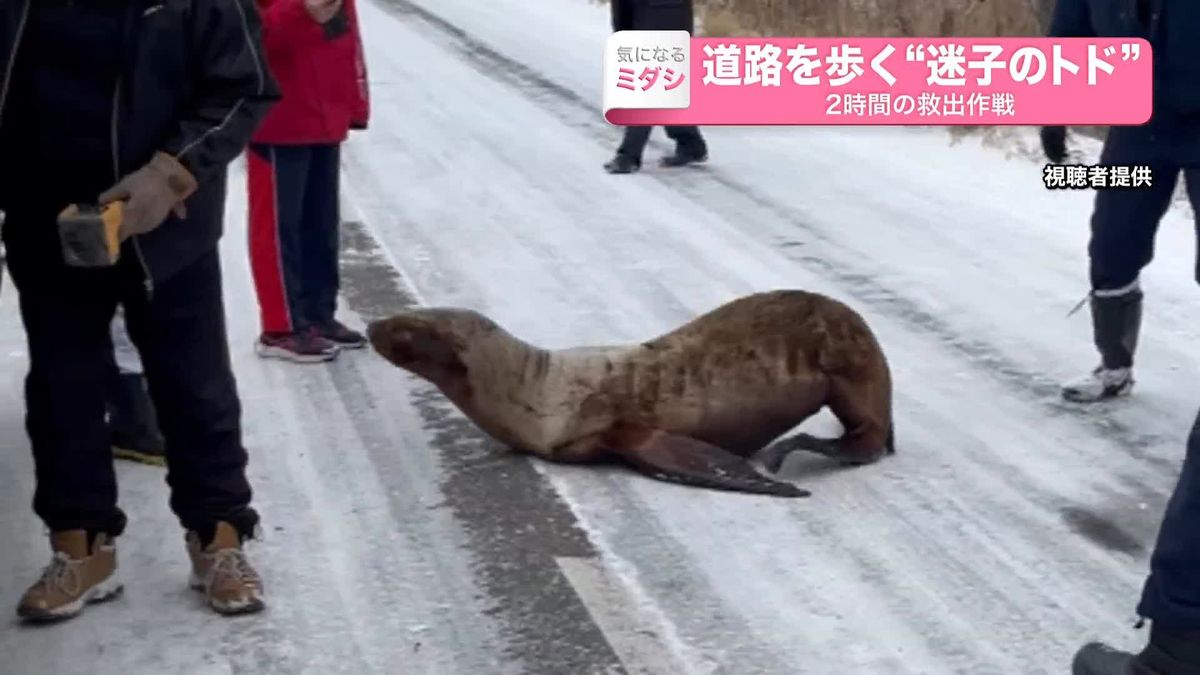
[1054, 143]
[151, 193]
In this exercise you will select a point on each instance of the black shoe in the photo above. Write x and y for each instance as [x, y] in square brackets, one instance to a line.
[133, 428]
[341, 336]
[623, 164]
[684, 156]
[1166, 653]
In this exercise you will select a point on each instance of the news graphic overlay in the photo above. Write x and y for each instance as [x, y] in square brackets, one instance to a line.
[648, 69]
[668, 77]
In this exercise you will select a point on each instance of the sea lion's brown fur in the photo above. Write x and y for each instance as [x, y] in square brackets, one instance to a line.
[687, 406]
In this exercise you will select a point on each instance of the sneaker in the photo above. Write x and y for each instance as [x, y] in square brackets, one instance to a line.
[622, 164]
[341, 336]
[304, 347]
[221, 570]
[74, 578]
[1101, 384]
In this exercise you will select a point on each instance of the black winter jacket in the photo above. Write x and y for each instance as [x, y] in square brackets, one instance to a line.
[194, 85]
[1173, 29]
[652, 15]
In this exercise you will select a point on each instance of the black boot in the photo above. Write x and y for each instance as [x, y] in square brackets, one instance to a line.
[623, 164]
[1116, 323]
[1167, 653]
[133, 428]
[684, 155]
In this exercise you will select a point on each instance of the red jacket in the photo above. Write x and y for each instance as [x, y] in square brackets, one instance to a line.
[323, 81]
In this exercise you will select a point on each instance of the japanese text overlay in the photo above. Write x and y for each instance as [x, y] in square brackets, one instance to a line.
[667, 77]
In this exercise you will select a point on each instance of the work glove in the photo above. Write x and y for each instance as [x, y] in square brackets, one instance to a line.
[1054, 143]
[151, 193]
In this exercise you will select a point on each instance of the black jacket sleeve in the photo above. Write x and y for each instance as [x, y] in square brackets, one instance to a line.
[234, 90]
[622, 14]
[1071, 19]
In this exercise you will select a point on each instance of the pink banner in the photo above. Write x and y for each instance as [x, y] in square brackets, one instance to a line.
[876, 81]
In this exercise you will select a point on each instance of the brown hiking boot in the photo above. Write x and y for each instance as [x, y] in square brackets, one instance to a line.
[221, 570]
[73, 579]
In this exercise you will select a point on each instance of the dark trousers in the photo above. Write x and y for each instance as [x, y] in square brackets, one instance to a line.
[1171, 597]
[179, 331]
[294, 222]
[1125, 221]
[687, 139]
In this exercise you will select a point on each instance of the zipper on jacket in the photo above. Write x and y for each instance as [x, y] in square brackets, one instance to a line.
[116, 157]
[12, 58]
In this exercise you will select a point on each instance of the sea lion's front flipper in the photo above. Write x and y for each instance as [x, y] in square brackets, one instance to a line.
[682, 459]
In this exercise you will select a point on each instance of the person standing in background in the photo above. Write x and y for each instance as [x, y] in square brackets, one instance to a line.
[690, 146]
[1125, 221]
[315, 51]
[132, 424]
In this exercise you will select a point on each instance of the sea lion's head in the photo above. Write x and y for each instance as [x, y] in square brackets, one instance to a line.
[429, 342]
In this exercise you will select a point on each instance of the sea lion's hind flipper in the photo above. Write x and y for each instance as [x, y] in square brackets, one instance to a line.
[685, 460]
[773, 456]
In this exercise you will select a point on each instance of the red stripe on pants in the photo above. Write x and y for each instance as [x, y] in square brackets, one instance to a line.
[265, 256]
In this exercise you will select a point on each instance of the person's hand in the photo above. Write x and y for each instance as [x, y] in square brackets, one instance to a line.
[151, 193]
[322, 10]
[1054, 143]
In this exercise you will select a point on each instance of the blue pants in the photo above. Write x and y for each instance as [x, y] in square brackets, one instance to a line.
[1125, 220]
[294, 222]
[1171, 597]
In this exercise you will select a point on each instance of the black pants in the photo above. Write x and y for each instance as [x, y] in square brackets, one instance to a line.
[179, 331]
[687, 139]
[1125, 221]
[294, 221]
[1171, 596]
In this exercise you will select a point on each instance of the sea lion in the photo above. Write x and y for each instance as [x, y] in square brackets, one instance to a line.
[689, 406]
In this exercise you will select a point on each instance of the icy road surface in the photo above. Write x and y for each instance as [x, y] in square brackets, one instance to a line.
[1009, 528]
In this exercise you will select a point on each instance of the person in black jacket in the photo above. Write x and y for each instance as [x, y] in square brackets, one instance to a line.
[143, 101]
[690, 146]
[1124, 221]
[1171, 593]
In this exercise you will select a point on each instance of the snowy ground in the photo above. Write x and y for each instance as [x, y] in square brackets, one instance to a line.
[1008, 529]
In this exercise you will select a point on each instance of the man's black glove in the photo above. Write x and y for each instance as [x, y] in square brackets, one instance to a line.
[1054, 143]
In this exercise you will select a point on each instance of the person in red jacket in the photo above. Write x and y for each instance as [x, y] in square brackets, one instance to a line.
[314, 49]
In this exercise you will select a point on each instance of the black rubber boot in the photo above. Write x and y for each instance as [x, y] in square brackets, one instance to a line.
[1116, 324]
[1166, 653]
[133, 428]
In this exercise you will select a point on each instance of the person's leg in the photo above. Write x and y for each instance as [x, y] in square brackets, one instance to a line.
[133, 428]
[181, 335]
[629, 154]
[1191, 178]
[322, 247]
[690, 146]
[1124, 223]
[277, 177]
[66, 313]
[1171, 594]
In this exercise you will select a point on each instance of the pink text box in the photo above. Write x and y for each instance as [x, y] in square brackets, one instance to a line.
[1022, 88]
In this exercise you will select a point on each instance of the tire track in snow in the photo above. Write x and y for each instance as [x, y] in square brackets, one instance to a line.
[519, 529]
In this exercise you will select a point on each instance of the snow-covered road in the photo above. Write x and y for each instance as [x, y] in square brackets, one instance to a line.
[1008, 528]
